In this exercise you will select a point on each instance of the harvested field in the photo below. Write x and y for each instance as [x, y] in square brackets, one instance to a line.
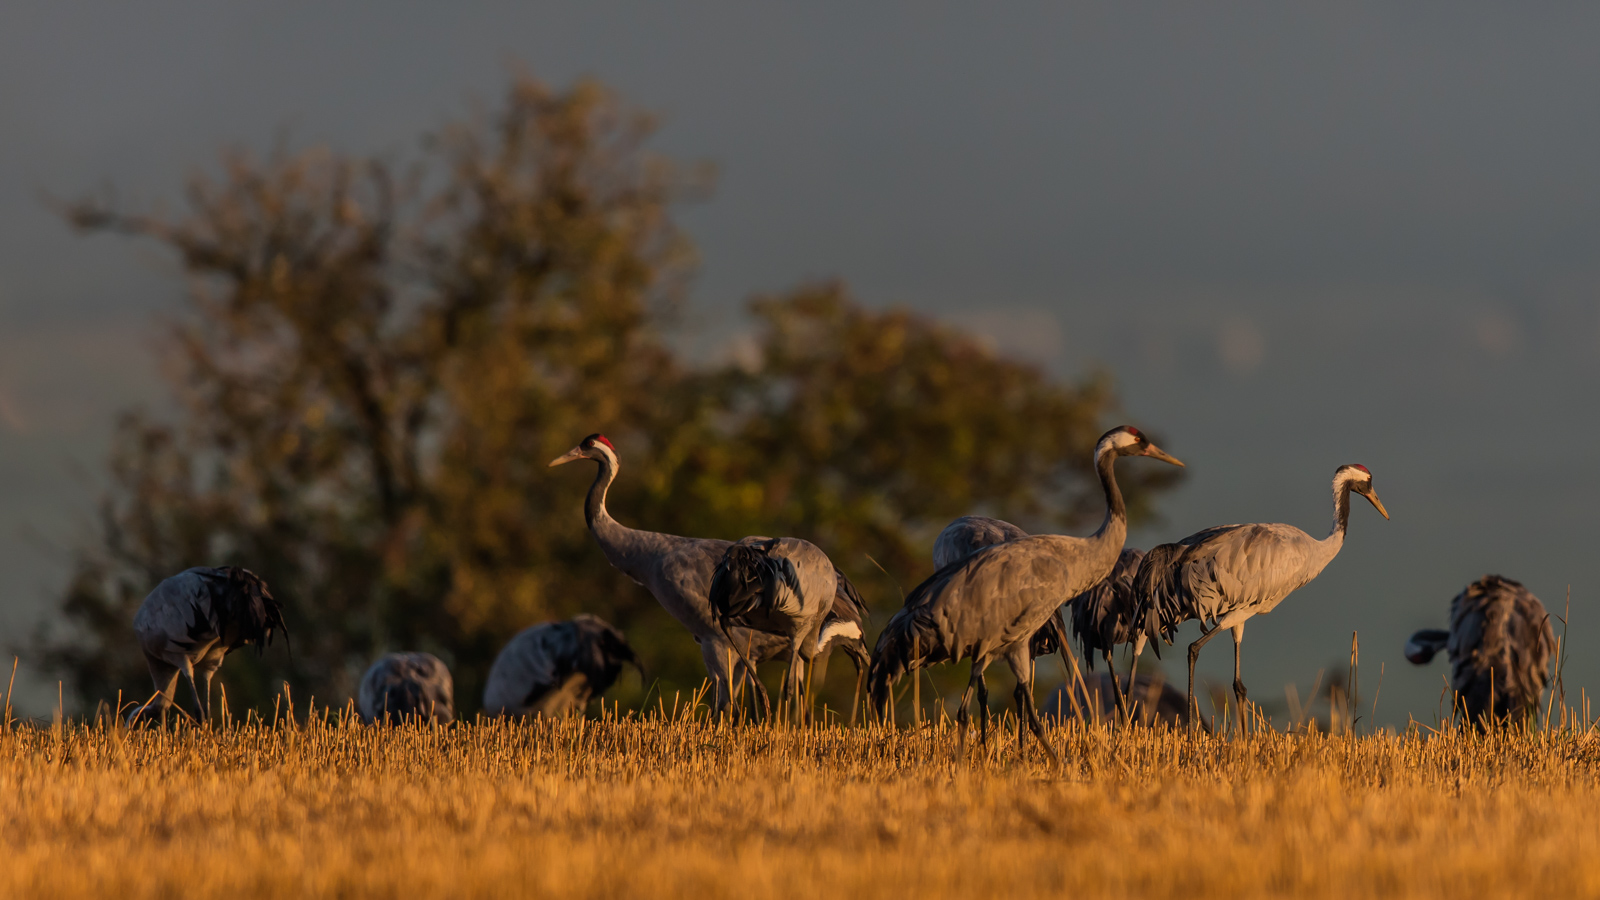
[673, 806]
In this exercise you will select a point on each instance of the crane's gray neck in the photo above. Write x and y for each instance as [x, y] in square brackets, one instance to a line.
[608, 531]
[1116, 510]
[1341, 511]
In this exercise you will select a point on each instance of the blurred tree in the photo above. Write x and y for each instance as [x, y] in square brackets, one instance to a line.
[378, 362]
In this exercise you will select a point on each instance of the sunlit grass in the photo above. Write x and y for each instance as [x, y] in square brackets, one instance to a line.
[676, 805]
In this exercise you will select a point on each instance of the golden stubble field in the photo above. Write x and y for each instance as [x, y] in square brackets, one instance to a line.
[676, 806]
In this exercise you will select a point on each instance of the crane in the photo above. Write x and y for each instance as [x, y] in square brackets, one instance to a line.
[403, 685]
[676, 570]
[554, 668]
[989, 605]
[842, 628]
[1225, 575]
[786, 587]
[1500, 643]
[1101, 616]
[194, 619]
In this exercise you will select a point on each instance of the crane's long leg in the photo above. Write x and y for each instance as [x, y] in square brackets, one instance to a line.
[1194, 654]
[794, 685]
[1022, 666]
[715, 653]
[983, 701]
[205, 674]
[1238, 683]
[1116, 688]
[194, 686]
[1133, 671]
[165, 676]
[861, 660]
[962, 718]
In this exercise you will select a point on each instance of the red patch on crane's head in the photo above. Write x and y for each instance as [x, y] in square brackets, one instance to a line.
[1132, 430]
[601, 438]
[1362, 468]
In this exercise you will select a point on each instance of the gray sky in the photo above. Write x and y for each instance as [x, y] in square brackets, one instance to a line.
[1297, 236]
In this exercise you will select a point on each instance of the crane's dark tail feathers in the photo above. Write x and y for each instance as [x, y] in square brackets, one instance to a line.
[748, 578]
[248, 602]
[846, 599]
[1422, 646]
[1158, 595]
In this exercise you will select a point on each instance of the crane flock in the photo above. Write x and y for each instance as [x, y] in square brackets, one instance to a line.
[997, 593]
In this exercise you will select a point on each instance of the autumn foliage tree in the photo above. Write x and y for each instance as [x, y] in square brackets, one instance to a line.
[378, 360]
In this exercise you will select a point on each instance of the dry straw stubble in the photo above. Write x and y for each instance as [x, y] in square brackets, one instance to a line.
[674, 806]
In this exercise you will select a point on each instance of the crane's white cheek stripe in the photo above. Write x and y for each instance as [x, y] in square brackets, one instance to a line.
[607, 451]
[831, 630]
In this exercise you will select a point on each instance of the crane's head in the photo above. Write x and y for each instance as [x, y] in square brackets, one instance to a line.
[1126, 440]
[1359, 480]
[594, 447]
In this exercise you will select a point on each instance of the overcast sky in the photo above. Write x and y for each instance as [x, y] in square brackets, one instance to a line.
[1298, 236]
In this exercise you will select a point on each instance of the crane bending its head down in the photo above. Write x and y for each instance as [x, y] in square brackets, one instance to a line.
[1500, 644]
[194, 619]
[406, 685]
[556, 668]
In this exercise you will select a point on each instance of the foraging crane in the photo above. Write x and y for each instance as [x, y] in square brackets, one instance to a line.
[989, 605]
[404, 685]
[1500, 643]
[1151, 698]
[842, 627]
[676, 570]
[194, 619]
[557, 667]
[1225, 575]
[785, 587]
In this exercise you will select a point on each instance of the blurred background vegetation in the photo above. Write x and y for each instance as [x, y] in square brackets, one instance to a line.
[378, 359]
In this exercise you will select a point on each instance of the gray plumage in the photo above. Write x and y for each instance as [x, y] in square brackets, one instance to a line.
[676, 570]
[194, 619]
[785, 587]
[1225, 575]
[557, 667]
[969, 534]
[988, 606]
[1500, 644]
[1152, 699]
[1101, 617]
[401, 686]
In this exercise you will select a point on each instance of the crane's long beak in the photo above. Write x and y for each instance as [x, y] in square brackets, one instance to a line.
[1372, 496]
[569, 456]
[1158, 453]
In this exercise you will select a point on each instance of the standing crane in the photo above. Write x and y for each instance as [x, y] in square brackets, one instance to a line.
[1225, 575]
[1500, 643]
[194, 619]
[989, 605]
[677, 571]
[557, 667]
[1101, 616]
[405, 685]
